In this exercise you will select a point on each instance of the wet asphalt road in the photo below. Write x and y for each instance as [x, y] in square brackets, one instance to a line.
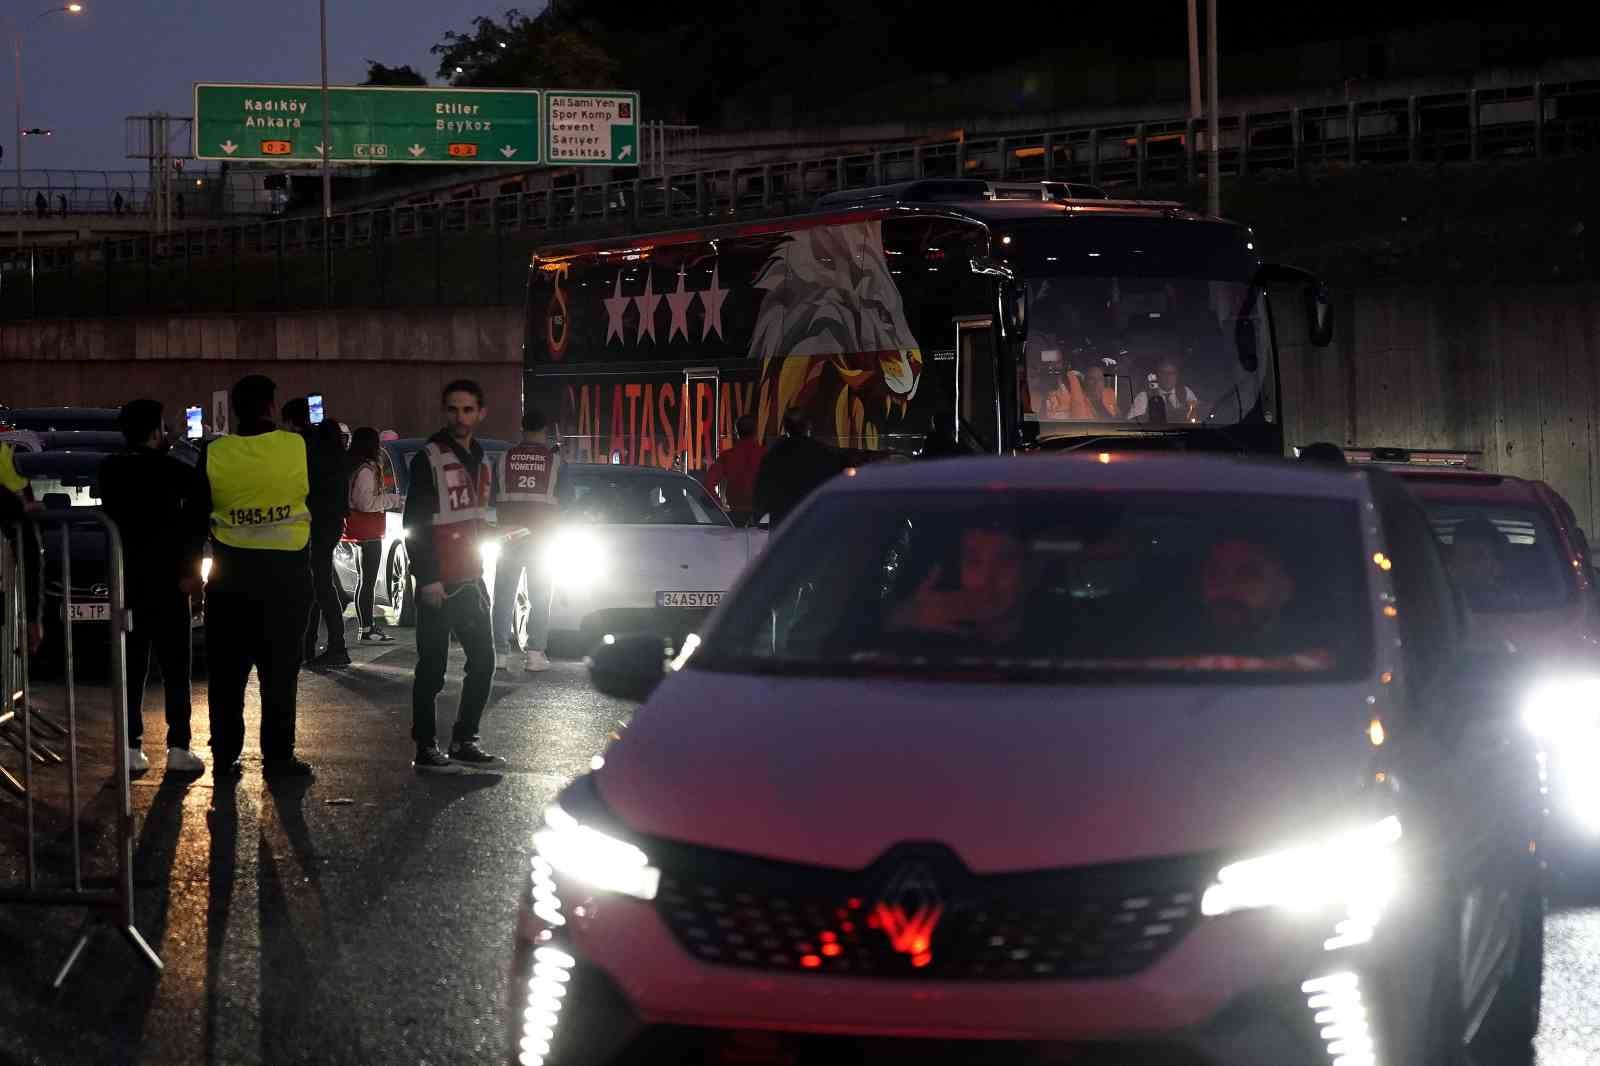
[366, 918]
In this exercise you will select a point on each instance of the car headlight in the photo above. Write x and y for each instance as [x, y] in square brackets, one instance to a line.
[593, 858]
[575, 558]
[1358, 870]
[205, 569]
[1563, 710]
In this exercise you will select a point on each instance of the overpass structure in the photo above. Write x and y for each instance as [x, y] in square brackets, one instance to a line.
[467, 243]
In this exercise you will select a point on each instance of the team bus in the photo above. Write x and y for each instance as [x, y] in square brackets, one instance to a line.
[1018, 323]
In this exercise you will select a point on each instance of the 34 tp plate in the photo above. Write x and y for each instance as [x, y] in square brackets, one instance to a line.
[90, 612]
[701, 600]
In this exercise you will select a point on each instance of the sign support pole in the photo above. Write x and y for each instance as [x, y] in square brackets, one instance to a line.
[327, 177]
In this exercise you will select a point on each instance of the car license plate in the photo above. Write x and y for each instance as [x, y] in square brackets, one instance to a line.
[89, 612]
[688, 599]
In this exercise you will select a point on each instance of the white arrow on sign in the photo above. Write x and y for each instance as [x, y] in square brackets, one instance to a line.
[416, 150]
[229, 147]
[508, 151]
[627, 150]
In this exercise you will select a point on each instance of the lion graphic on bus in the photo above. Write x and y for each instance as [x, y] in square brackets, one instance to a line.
[828, 292]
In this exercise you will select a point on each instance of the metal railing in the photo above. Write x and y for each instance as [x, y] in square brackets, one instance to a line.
[208, 192]
[472, 250]
[25, 726]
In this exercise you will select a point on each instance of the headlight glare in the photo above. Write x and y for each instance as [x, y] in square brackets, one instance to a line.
[1563, 710]
[600, 861]
[1359, 870]
[575, 558]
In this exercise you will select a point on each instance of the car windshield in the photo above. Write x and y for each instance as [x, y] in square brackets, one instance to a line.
[1125, 326]
[633, 499]
[1502, 558]
[55, 483]
[1031, 584]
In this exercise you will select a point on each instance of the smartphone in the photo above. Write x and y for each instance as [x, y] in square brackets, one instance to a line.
[314, 401]
[194, 422]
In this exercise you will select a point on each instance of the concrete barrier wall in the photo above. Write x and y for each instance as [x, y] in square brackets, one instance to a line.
[1512, 371]
[379, 368]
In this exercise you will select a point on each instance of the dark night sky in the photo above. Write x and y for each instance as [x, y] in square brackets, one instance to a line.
[82, 74]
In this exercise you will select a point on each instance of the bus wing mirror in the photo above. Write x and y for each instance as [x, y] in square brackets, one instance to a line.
[1014, 311]
[1319, 313]
[1318, 300]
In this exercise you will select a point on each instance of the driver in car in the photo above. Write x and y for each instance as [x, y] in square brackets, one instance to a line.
[1476, 558]
[986, 602]
[1244, 588]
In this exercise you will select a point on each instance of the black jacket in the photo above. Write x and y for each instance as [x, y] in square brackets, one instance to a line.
[143, 492]
[790, 471]
[422, 503]
[328, 467]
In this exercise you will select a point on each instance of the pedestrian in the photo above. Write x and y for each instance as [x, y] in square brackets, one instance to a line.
[330, 504]
[941, 442]
[61, 198]
[370, 502]
[451, 490]
[529, 476]
[16, 500]
[117, 203]
[251, 492]
[792, 468]
[177, 205]
[735, 470]
[142, 491]
[41, 206]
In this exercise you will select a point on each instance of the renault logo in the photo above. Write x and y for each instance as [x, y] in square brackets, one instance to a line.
[907, 911]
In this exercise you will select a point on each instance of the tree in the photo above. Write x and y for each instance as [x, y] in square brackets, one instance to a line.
[523, 51]
[378, 74]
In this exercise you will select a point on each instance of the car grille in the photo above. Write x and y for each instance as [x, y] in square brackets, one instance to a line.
[927, 918]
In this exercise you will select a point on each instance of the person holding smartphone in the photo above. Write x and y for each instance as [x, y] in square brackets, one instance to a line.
[330, 505]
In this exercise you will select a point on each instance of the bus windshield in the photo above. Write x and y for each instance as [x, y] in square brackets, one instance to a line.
[1143, 323]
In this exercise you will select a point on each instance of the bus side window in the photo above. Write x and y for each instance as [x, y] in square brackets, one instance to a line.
[975, 370]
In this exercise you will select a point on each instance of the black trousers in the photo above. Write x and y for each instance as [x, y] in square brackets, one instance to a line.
[370, 557]
[466, 614]
[328, 607]
[255, 617]
[161, 628]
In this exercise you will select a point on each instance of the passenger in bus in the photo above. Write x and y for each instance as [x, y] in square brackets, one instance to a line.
[1165, 398]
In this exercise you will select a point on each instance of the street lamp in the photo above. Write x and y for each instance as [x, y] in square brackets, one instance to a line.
[16, 55]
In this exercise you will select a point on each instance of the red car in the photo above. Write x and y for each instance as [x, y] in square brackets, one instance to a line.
[1519, 557]
[1516, 551]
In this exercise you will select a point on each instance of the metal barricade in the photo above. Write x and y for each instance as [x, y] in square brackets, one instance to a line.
[25, 726]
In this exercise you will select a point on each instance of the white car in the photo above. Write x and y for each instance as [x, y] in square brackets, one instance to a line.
[638, 549]
[1163, 760]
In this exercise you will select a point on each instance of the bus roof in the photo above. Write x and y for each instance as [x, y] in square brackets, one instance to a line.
[985, 212]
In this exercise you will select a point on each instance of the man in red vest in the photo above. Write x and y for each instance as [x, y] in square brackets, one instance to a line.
[527, 501]
[452, 489]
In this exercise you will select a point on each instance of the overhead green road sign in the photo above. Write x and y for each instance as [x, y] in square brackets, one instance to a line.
[283, 123]
[591, 128]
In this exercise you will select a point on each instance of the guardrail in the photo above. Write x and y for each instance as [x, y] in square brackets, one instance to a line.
[473, 250]
[24, 726]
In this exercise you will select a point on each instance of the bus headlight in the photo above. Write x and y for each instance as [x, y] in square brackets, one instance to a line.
[575, 558]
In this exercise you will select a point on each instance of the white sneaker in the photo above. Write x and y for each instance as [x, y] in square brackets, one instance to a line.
[184, 761]
[536, 662]
[138, 761]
